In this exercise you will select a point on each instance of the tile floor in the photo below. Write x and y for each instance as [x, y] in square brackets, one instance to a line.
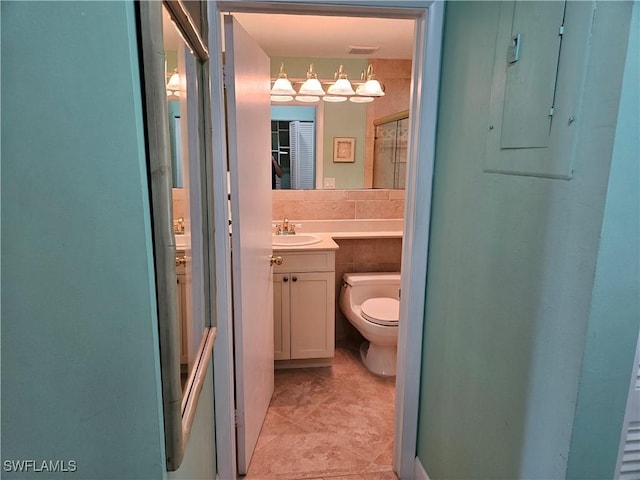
[327, 423]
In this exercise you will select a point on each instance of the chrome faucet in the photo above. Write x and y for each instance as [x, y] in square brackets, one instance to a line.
[178, 226]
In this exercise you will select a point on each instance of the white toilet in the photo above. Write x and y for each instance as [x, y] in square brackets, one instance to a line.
[371, 303]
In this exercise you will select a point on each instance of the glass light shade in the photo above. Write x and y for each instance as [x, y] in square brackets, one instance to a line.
[312, 86]
[371, 88]
[281, 98]
[361, 99]
[174, 82]
[308, 98]
[282, 86]
[334, 99]
[341, 87]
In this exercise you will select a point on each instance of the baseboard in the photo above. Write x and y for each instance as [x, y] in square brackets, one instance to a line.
[303, 363]
[420, 472]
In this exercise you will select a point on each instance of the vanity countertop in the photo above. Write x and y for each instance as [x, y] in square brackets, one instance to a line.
[377, 234]
[325, 243]
[330, 230]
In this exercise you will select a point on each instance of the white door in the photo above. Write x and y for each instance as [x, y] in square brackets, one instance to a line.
[249, 120]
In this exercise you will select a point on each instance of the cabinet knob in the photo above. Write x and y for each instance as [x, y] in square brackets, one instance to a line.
[285, 279]
[295, 279]
[275, 260]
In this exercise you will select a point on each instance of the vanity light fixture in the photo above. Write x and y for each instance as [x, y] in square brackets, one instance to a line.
[173, 85]
[312, 85]
[342, 86]
[371, 87]
[282, 85]
[340, 89]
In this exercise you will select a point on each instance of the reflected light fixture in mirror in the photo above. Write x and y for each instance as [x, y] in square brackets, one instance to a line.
[281, 98]
[307, 98]
[358, 99]
[173, 85]
[334, 99]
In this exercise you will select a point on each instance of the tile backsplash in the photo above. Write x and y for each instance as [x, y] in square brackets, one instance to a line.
[338, 204]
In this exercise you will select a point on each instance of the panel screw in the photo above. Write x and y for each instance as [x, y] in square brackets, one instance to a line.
[490, 127]
[571, 119]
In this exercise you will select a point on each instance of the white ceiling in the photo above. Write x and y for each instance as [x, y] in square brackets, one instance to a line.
[328, 37]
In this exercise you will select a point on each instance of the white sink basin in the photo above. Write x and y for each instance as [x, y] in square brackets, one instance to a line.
[297, 239]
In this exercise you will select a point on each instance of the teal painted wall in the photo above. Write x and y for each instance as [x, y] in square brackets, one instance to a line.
[80, 375]
[615, 310]
[344, 119]
[511, 268]
[80, 361]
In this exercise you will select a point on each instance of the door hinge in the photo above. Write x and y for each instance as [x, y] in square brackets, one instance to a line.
[561, 30]
[551, 112]
[235, 417]
[224, 77]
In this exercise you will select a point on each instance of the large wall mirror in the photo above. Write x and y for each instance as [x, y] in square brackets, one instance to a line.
[296, 132]
[175, 58]
[311, 149]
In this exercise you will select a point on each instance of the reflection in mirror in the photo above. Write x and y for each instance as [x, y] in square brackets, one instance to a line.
[349, 120]
[175, 134]
[293, 148]
[181, 63]
[178, 139]
[390, 151]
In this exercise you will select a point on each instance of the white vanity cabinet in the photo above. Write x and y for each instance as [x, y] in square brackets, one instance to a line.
[304, 306]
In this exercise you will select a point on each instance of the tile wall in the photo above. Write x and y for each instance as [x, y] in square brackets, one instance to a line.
[337, 204]
[179, 210]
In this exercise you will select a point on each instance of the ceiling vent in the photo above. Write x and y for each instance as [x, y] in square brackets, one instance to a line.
[362, 50]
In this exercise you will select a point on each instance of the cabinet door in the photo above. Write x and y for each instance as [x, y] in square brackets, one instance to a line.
[312, 314]
[281, 337]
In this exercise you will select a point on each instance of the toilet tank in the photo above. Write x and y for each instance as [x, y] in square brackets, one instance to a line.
[368, 285]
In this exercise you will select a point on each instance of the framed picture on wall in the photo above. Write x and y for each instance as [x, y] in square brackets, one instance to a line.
[344, 149]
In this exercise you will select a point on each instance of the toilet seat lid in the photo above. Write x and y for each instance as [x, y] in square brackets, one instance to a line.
[381, 310]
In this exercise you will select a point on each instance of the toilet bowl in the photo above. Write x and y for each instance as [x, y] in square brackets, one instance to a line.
[370, 301]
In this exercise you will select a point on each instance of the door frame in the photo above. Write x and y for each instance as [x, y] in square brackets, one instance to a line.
[429, 16]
